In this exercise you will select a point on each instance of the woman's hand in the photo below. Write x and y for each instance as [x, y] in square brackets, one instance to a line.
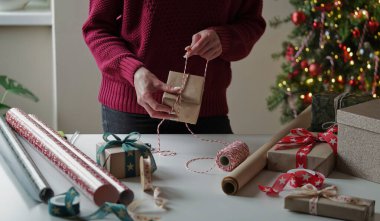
[206, 44]
[146, 84]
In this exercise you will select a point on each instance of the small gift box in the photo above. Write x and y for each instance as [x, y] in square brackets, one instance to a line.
[359, 139]
[122, 157]
[303, 149]
[325, 105]
[188, 105]
[326, 202]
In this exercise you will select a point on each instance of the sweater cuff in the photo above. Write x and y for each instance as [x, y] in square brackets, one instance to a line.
[129, 66]
[224, 36]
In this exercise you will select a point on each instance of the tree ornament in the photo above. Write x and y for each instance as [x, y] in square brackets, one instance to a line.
[289, 52]
[298, 17]
[373, 26]
[315, 69]
[304, 64]
[317, 24]
[355, 32]
[360, 14]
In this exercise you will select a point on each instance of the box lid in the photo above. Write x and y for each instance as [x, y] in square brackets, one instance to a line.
[365, 116]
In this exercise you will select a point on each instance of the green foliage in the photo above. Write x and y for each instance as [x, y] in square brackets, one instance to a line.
[345, 57]
[12, 86]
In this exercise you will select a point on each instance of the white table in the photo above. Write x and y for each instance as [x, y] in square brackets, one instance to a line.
[191, 196]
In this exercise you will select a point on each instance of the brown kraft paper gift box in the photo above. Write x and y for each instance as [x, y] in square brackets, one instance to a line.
[359, 140]
[329, 208]
[119, 163]
[321, 159]
[189, 106]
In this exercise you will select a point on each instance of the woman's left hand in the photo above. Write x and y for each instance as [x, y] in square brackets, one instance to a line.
[206, 44]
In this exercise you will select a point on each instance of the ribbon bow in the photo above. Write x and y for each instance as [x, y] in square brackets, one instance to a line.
[305, 141]
[330, 192]
[295, 178]
[129, 143]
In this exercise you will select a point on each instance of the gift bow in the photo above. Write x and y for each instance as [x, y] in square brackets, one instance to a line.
[295, 178]
[306, 141]
[129, 143]
[330, 192]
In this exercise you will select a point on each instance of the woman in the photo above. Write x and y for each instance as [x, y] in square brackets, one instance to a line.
[137, 43]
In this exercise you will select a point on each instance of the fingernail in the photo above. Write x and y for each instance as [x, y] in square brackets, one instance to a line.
[176, 88]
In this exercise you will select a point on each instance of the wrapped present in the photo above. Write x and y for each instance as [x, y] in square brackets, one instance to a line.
[326, 202]
[122, 157]
[359, 139]
[325, 105]
[304, 149]
[188, 104]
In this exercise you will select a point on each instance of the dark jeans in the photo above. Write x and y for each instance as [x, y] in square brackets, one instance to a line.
[123, 123]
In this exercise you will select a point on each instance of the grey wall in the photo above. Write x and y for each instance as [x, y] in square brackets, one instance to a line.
[26, 56]
[78, 78]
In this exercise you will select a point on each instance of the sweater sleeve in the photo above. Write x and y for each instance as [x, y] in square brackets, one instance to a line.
[101, 34]
[238, 37]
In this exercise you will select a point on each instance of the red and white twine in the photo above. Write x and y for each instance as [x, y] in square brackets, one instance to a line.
[227, 158]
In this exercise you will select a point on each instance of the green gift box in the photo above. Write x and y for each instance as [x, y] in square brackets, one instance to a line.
[122, 157]
[325, 105]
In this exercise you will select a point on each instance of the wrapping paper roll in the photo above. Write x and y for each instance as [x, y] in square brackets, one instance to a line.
[125, 194]
[258, 160]
[98, 189]
[22, 165]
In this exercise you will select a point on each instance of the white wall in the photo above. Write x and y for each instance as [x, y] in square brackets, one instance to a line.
[26, 56]
[78, 78]
[253, 76]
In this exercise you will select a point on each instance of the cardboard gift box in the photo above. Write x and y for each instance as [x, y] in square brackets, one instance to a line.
[187, 109]
[359, 140]
[123, 164]
[324, 106]
[329, 208]
[321, 158]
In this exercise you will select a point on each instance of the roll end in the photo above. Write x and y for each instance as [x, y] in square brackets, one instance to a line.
[230, 186]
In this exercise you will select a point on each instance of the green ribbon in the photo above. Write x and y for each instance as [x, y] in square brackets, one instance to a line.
[129, 143]
[69, 208]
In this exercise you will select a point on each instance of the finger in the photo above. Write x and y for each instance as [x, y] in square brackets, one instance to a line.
[155, 106]
[197, 47]
[208, 55]
[156, 114]
[167, 88]
[195, 39]
[216, 53]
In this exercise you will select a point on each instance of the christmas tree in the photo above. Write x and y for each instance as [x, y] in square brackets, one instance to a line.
[334, 46]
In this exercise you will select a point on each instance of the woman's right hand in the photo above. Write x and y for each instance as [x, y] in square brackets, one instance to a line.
[146, 83]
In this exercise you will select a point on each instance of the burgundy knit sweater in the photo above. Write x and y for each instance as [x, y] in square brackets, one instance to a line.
[124, 35]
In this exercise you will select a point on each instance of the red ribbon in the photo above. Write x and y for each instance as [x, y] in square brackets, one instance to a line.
[325, 7]
[295, 178]
[305, 141]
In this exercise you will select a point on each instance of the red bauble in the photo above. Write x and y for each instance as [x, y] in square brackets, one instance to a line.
[308, 99]
[304, 64]
[289, 52]
[373, 26]
[298, 17]
[315, 69]
[317, 24]
[355, 32]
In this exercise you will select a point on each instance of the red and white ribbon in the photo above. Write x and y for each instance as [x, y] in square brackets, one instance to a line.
[305, 141]
[294, 178]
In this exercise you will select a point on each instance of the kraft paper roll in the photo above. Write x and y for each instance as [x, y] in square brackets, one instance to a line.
[257, 161]
[22, 165]
[125, 194]
[77, 171]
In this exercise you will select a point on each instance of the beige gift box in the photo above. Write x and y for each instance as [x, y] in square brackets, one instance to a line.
[359, 140]
[329, 208]
[321, 158]
[189, 106]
